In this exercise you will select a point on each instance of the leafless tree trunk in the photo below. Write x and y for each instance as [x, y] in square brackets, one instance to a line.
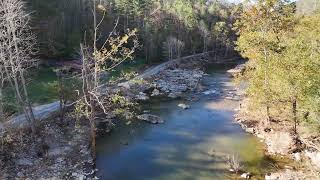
[17, 45]
[98, 58]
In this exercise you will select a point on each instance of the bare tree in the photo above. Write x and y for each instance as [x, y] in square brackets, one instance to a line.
[17, 44]
[173, 47]
[97, 59]
[205, 33]
[2, 83]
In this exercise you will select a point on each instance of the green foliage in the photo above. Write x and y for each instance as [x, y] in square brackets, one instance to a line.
[122, 107]
[59, 25]
[297, 68]
[183, 11]
[284, 59]
[261, 28]
[43, 89]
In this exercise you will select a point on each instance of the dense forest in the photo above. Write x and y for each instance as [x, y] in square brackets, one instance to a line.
[167, 29]
[70, 69]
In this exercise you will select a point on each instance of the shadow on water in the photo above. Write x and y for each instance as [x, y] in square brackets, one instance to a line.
[180, 148]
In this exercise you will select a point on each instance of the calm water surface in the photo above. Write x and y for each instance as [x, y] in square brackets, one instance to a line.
[179, 149]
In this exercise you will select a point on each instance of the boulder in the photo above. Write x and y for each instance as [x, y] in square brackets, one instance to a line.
[153, 119]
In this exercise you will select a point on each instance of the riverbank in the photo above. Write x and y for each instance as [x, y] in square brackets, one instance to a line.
[58, 151]
[280, 140]
[61, 149]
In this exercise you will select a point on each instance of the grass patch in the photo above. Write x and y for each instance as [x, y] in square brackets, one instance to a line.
[42, 85]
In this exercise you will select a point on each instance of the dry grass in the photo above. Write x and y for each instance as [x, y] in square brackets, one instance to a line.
[234, 163]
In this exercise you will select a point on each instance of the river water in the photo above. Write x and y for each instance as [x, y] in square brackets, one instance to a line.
[191, 144]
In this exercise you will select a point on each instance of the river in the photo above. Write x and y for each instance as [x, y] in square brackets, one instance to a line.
[191, 144]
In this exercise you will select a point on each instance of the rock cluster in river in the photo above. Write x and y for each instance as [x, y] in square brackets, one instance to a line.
[150, 118]
[175, 82]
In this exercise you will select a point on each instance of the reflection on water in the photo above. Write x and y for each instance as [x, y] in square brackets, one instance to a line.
[180, 148]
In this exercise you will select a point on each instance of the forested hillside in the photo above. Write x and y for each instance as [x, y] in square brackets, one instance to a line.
[167, 29]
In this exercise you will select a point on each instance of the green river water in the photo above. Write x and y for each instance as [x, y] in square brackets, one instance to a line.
[192, 144]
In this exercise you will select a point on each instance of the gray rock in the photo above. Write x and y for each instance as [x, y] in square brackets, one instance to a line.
[20, 174]
[177, 81]
[142, 97]
[25, 162]
[184, 106]
[155, 92]
[153, 119]
[174, 95]
[210, 92]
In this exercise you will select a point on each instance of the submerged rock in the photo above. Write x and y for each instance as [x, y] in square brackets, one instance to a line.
[208, 92]
[174, 95]
[184, 106]
[153, 119]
